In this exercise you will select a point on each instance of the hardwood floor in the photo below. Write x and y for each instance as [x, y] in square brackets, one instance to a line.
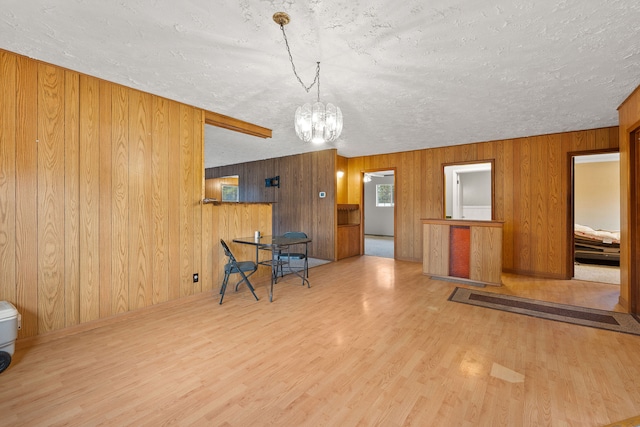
[372, 342]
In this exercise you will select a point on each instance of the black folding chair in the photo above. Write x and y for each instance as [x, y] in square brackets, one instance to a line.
[286, 255]
[237, 267]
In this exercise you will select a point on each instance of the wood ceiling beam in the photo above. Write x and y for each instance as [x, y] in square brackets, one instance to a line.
[237, 125]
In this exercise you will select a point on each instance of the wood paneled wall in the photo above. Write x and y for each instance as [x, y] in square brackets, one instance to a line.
[629, 120]
[342, 165]
[297, 205]
[100, 189]
[531, 194]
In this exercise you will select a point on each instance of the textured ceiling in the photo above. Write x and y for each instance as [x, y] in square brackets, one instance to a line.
[407, 75]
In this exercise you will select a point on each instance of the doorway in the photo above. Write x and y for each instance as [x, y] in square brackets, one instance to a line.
[596, 217]
[379, 213]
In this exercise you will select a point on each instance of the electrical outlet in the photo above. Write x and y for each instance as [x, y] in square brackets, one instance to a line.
[195, 278]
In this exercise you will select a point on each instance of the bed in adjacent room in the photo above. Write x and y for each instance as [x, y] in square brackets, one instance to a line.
[596, 246]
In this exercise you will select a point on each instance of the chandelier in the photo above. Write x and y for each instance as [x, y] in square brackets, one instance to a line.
[315, 123]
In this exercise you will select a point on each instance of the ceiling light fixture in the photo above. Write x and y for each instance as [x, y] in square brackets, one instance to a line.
[315, 123]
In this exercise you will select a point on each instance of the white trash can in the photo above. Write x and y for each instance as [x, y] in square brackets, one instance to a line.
[9, 325]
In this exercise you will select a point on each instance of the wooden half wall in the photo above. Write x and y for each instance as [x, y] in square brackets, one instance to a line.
[100, 190]
[227, 221]
[296, 203]
[531, 194]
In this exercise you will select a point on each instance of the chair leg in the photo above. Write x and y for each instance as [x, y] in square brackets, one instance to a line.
[223, 288]
[249, 285]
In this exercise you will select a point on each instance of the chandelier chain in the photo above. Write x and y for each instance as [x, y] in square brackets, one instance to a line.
[315, 123]
[293, 67]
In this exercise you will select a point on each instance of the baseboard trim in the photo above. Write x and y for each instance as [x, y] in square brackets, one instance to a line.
[536, 274]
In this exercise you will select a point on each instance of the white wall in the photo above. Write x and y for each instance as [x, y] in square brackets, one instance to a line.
[474, 188]
[597, 195]
[377, 220]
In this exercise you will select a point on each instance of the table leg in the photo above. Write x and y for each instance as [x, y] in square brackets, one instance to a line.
[274, 272]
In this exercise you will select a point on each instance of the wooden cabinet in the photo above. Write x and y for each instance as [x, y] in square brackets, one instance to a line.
[348, 239]
[469, 251]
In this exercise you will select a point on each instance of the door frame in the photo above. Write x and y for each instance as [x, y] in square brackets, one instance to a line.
[395, 205]
[571, 203]
[634, 220]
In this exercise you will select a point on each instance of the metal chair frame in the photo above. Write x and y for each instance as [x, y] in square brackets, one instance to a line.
[234, 266]
[293, 255]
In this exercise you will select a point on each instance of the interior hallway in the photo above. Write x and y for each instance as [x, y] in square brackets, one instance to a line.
[373, 341]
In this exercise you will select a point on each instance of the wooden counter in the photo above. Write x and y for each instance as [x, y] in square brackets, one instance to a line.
[468, 251]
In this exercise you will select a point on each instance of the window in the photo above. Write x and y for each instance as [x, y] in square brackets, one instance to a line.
[384, 195]
[229, 193]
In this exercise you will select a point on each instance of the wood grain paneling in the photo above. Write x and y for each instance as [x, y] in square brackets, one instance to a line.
[106, 197]
[486, 254]
[436, 250]
[231, 220]
[342, 192]
[8, 68]
[349, 241]
[174, 201]
[186, 200]
[72, 197]
[100, 189]
[530, 194]
[297, 205]
[51, 198]
[89, 189]
[236, 125]
[554, 203]
[26, 195]
[197, 166]
[140, 200]
[160, 202]
[120, 200]
[8, 175]
[207, 269]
